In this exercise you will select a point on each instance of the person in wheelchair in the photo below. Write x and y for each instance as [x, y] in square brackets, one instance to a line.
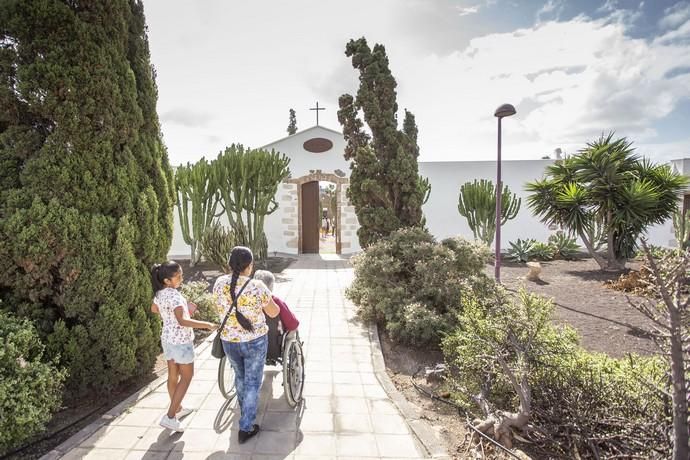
[284, 324]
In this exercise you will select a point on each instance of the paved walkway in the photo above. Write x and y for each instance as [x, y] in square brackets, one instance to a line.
[346, 413]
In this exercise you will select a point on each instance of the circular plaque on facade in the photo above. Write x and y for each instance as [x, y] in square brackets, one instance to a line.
[318, 145]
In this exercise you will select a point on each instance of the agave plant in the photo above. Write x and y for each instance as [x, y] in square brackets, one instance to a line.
[542, 251]
[521, 250]
[564, 245]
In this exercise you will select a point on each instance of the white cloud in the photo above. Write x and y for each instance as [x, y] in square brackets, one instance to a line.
[229, 71]
[467, 10]
[570, 81]
[609, 6]
[675, 15]
[551, 7]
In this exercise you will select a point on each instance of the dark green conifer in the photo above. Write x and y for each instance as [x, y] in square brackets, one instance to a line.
[385, 187]
[86, 190]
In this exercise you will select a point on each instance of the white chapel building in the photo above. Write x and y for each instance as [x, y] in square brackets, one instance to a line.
[316, 155]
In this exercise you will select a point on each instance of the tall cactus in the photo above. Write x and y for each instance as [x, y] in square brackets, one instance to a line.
[477, 203]
[231, 176]
[681, 228]
[196, 189]
[248, 181]
[425, 186]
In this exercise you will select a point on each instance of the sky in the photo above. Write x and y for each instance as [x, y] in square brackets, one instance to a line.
[228, 71]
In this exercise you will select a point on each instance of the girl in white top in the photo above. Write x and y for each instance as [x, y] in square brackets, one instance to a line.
[177, 337]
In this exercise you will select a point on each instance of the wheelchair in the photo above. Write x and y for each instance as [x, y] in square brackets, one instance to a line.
[284, 349]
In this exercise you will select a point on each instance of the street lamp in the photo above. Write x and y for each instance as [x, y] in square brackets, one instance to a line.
[506, 110]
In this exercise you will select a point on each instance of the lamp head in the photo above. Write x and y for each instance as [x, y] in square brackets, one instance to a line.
[505, 110]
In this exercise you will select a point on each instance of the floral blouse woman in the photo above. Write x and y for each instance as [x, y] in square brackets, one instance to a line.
[244, 336]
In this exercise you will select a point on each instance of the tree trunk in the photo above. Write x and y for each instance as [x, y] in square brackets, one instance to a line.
[679, 395]
[603, 263]
[192, 257]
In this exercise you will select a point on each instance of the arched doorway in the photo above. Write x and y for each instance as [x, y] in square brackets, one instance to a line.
[311, 212]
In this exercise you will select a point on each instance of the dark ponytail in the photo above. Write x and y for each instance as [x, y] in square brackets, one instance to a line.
[161, 272]
[240, 258]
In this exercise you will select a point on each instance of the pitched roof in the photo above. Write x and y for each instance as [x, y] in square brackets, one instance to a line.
[301, 132]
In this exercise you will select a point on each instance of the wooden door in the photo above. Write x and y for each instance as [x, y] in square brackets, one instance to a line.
[310, 218]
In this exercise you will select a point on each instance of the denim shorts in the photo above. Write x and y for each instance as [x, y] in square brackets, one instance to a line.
[182, 353]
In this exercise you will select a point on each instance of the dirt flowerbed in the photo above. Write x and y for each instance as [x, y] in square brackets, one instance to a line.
[601, 315]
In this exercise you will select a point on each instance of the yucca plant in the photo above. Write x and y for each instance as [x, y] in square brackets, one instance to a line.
[606, 184]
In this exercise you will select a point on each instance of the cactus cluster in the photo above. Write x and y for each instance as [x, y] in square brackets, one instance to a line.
[477, 203]
[681, 228]
[248, 180]
[197, 203]
[242, 183]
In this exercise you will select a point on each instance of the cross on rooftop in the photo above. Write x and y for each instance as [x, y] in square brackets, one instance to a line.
[317, 108]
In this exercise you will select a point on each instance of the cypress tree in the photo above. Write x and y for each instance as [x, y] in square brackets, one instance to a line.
[86, 190]
[292, 126]
[385, 187]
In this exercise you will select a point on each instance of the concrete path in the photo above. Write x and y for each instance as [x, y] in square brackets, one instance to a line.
[346, 413]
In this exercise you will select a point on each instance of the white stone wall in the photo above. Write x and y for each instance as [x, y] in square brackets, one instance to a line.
[348, 224]
[281, 227]
[443, 219]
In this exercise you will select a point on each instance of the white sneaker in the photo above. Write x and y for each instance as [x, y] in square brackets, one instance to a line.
[171, 423]
[183, 412]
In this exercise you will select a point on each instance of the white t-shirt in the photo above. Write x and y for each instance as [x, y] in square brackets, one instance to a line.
[167, 300]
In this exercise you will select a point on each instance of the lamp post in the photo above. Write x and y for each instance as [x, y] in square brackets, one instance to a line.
[506, 110]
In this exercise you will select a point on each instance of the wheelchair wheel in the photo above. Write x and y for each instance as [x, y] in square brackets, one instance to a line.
[226, 378]
[293, 371]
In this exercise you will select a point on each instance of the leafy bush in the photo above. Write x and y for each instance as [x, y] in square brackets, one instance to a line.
[606, 401]
[30, 390]
[216, 243]
[521, 250]
[198, 293]
[564, 246]
[579, 401]
[413, 286]
[658, 252]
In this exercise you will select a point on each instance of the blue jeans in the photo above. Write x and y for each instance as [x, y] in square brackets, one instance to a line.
[247, 359]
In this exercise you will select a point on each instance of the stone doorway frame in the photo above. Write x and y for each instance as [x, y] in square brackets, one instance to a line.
[319, 176]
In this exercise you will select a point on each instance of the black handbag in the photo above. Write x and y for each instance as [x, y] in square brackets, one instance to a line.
[217, 347]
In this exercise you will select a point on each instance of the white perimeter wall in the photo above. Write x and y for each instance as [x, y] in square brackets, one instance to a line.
[443, 219]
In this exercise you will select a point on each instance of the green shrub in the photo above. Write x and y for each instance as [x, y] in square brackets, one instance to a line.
[607, 401]
[197, 292]
[658, 252]
[413, 286]
[580, 401]
[30, 390]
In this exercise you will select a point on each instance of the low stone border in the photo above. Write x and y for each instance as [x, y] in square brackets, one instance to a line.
[105, 419]
[426, 436]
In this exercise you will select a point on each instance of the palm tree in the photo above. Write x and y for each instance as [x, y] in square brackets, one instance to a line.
[606, 192]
